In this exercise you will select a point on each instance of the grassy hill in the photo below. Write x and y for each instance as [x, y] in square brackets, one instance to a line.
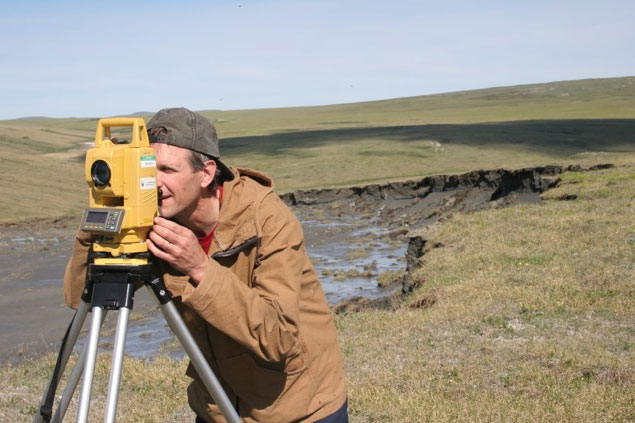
[524, 313]
[41, 160]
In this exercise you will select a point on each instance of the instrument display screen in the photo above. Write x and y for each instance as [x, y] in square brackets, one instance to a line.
[102, 220]
[96, 217]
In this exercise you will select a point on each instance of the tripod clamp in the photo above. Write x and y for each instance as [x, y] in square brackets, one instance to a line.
[113, 285]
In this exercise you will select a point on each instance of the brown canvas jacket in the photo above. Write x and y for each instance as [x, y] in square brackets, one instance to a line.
[259, 315]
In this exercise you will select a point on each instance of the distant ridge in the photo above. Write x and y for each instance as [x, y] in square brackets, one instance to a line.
[607, 86]
[354, 143]
[620, 86]
[623, 86]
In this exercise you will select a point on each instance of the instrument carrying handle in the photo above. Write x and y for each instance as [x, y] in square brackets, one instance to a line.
[139, 131]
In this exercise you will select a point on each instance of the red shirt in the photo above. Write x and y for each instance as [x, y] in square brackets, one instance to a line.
[206, 241]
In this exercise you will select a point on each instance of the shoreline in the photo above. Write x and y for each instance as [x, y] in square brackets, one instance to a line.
[354, 235]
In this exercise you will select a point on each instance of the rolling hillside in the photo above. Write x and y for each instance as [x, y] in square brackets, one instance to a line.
[41, 160]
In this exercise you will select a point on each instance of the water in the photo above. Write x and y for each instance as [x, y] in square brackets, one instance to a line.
[350, 262]
[144, 339]
[348, 254]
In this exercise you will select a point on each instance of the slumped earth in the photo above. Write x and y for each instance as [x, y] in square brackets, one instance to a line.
[362, 241]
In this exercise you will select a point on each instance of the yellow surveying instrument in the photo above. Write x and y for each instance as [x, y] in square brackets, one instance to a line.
[123, 193]
[121, 175]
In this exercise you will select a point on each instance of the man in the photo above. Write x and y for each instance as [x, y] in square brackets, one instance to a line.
[233, 256]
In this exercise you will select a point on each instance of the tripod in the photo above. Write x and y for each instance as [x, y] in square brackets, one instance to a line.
[111, 287]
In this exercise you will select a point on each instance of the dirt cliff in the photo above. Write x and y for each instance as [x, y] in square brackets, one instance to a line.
[409, 210]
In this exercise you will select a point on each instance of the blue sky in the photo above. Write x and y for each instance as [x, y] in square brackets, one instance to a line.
[76, 58]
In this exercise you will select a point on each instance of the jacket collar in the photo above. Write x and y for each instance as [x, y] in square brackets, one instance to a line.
[241, 197]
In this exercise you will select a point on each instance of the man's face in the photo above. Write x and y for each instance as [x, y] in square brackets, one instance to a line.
[179, 183]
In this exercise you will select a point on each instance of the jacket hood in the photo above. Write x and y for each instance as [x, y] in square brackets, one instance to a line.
[241, 197]
[257, 176]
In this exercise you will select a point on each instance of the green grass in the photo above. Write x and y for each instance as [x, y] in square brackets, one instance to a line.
[152, 391]
[532, 320]
[342, 157]
[41, 160]
[527, 311]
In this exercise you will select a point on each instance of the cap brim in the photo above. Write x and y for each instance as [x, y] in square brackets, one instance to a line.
[226, 174]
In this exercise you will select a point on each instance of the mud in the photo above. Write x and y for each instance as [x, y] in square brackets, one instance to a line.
[360, 240]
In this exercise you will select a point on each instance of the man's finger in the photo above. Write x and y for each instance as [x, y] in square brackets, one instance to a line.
[170, 230]
[164, 233]
[163, 243]
[168, 224]
[157, 238]
[158, 252]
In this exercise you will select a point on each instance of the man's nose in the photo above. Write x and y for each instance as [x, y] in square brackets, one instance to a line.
[159, 179]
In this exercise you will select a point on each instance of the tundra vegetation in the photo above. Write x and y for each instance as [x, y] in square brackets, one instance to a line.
[522, 314]
[41, 160]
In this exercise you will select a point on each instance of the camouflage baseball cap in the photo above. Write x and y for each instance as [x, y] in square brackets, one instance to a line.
[184, 128]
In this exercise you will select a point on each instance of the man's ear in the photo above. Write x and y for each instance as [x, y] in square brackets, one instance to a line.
[209, 170]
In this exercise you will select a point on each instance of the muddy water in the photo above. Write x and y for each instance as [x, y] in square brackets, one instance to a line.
[32, 308]
[350, 254]
[354, 236]
[33, 315]
[337, 247]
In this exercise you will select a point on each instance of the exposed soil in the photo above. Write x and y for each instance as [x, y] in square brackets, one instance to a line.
[358, 238]
[405, 215]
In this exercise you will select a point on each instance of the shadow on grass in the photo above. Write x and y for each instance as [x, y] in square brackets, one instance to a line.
[556, 137]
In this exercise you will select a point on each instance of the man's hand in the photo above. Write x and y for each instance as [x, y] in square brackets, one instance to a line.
[178, 246]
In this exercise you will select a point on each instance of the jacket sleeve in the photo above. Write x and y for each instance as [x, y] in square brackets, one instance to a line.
[262, 318]
[75, 273]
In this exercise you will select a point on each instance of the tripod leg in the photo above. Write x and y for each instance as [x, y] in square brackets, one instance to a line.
[198, 360]
[89, 366]
[73, 380]
[117, 365]
[69, 343]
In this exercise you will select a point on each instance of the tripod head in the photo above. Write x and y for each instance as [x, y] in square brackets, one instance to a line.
[121, 176]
